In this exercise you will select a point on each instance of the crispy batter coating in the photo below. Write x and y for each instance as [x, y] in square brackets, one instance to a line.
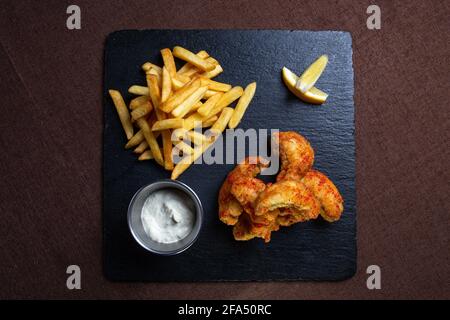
[331, 201]
[243, 176]
[296, 155]
[289, 195]
[256, 209]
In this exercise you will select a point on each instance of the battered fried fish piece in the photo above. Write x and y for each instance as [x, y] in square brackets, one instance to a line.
[289, 195]
[246, 229]
[331, 201]
[296, 155]
[243, 175]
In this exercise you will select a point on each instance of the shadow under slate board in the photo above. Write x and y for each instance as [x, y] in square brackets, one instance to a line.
[315, 250]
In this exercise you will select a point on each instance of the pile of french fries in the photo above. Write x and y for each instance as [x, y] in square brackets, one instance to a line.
[174, 103]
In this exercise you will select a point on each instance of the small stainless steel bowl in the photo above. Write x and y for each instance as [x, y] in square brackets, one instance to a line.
[135, 222]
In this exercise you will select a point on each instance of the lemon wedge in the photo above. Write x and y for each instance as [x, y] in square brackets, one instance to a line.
[312, 74]
[314, 95]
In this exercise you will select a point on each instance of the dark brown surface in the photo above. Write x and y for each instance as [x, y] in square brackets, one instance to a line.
[51, 125]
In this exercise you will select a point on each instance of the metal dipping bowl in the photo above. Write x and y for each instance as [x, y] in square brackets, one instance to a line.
[137, 229]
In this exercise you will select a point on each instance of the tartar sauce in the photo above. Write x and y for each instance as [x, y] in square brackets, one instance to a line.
[168, 215]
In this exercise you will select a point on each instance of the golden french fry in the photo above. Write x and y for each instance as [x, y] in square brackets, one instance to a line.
[166, 85]
[226, 99]
[153, 89]
[209, 122]
[157, 75]
[193, 120]
[167, 149]
[173, 123]
[196, 106]
[179, 134]
[151, 140]
[188, 69]
[184, 147]
[146, 155]
[187, 104]
[221, 123]
[141, 147]
[242, 105]
[188, 160]
[210, 93]
[179, 96]
[183, 78]
[147, 66]
[192, 58]
[141, 111]
[136, 102]
[138, 90]
[169, 62]
[213, 73]
[212, 61]
[177, 84]
[123, 113]
[209, 104]
[196, 137]
[218, 86]
[135, 140]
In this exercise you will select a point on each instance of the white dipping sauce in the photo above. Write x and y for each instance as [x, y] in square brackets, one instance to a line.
[168, 215]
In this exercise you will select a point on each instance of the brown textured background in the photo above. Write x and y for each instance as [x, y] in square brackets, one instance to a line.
[51, 125]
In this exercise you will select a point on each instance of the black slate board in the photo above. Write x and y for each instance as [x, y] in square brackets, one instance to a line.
[314, 250]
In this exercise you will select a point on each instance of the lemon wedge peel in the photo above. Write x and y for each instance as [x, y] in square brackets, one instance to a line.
[313, 95]
[309, 78]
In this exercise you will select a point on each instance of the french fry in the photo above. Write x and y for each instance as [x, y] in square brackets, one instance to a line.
[221, 123]
[212, 61]
[146, 155]
[196, 137]
[166, 85]
[183, 78]
[173, 123]
[135, 140]
[167, 149]
[169, 62]
[218, 86]
[192, 58]
[187, 104]
[226, 99]
[179, 96]
[210, 93]
[206, 108]
[179, 134]
[213, 73]
[242, 105]
[151, 140]
[209, 122]
[188, 160]
[177, 84]
[153, 89]
[147, 66]
[158, 76]
[196, 106]
[123, 113]
[138, 90]
[184, 147]
[136, 102]
[188, 69]
[155, 95]
[141, 147]
[193, 120]
[141, 111]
